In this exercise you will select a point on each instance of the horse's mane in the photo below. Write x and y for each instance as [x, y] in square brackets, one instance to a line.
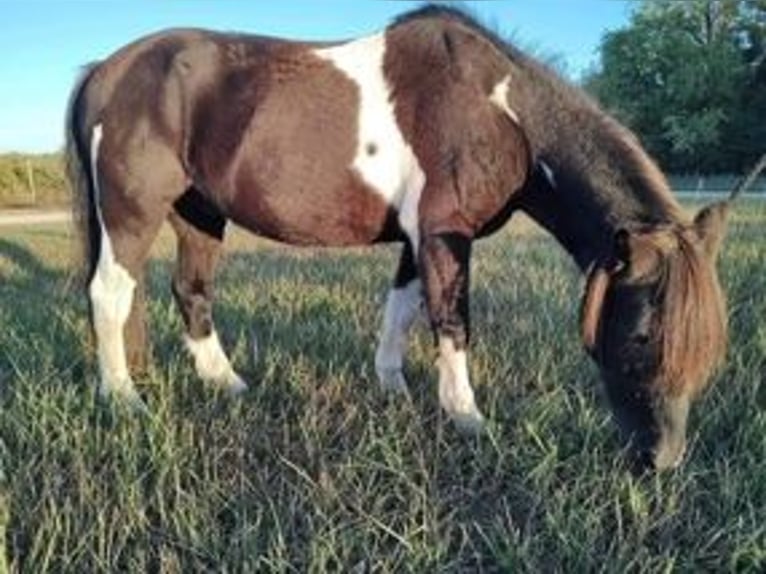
[460, 14]
[692, 324]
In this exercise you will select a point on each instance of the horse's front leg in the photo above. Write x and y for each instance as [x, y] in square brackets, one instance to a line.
[444, 268]
[402, 306]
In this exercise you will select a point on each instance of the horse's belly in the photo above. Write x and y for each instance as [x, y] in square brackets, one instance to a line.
[306, 210]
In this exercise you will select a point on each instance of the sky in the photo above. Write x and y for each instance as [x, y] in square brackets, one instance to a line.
[44, 43]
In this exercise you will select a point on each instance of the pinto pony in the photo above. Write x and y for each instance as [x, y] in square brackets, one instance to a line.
[431, 133]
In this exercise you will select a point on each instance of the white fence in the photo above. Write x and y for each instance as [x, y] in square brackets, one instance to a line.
[705, 185]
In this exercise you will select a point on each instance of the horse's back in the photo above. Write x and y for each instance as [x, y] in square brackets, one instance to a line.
[328, 144]
[161, 78]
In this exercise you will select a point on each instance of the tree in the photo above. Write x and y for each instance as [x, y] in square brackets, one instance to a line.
[690, 78]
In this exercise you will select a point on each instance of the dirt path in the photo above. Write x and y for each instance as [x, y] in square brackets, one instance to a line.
[15, 217]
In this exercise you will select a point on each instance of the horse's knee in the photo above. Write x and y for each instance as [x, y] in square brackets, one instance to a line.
[445, 270]
[111, 292]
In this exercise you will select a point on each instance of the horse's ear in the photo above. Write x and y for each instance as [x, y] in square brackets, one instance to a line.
[710, 225]
[593, 303]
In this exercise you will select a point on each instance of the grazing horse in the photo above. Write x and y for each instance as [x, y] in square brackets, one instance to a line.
[431, 133]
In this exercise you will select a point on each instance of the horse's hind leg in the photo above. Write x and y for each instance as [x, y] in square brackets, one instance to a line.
[200, 230]
[131, 200]
[402, 307]
[444, 263]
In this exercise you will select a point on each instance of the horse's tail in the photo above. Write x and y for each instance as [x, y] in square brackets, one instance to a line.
[80, 172]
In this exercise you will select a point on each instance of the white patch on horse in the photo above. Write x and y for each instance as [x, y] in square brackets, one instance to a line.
[212, 364]
[548, 173]
[393, 171]
[402, 308]
[499, 97]
[455, 392]
[111, 295]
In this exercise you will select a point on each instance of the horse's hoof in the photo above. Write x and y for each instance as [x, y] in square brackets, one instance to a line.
[123, 394]
[468, 424]
[392, 381]
[233, 385]
[236, 388]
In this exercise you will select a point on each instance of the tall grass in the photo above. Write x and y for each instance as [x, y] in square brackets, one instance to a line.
[315, 470]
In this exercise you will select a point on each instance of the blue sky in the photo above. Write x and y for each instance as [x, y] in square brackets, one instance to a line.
[45, 42]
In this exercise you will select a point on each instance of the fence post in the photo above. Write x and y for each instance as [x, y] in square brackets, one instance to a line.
[31, 181]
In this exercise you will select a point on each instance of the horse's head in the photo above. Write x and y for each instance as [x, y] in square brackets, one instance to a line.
[654, 320]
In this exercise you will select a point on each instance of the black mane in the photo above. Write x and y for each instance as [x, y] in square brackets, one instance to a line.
[440, 10]
[464, 16]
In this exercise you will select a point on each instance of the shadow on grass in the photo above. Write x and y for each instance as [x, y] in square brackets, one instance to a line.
[42, 329]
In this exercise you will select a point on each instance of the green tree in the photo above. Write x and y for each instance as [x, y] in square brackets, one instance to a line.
[690, 78]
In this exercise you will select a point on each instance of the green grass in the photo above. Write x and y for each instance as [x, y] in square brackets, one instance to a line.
[315, 470]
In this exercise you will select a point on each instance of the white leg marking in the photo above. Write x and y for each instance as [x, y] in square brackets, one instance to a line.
[402, 307]
[455, 392]
[393, 170]
[499, 97]
[111, 295]
[213, 365]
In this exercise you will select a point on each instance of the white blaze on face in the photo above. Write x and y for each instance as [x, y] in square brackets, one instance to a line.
[111, 295]
[402, 307]
[392, 170]
[212, 364]
[499, 97]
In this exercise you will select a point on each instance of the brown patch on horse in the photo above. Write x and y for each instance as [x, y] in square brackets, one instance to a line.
[474, 154]
[291, 119]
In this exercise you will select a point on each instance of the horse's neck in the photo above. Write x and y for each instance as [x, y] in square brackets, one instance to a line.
[582, 201]
[599, 179]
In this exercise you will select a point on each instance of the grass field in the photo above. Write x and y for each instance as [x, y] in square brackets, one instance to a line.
[315, 470]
